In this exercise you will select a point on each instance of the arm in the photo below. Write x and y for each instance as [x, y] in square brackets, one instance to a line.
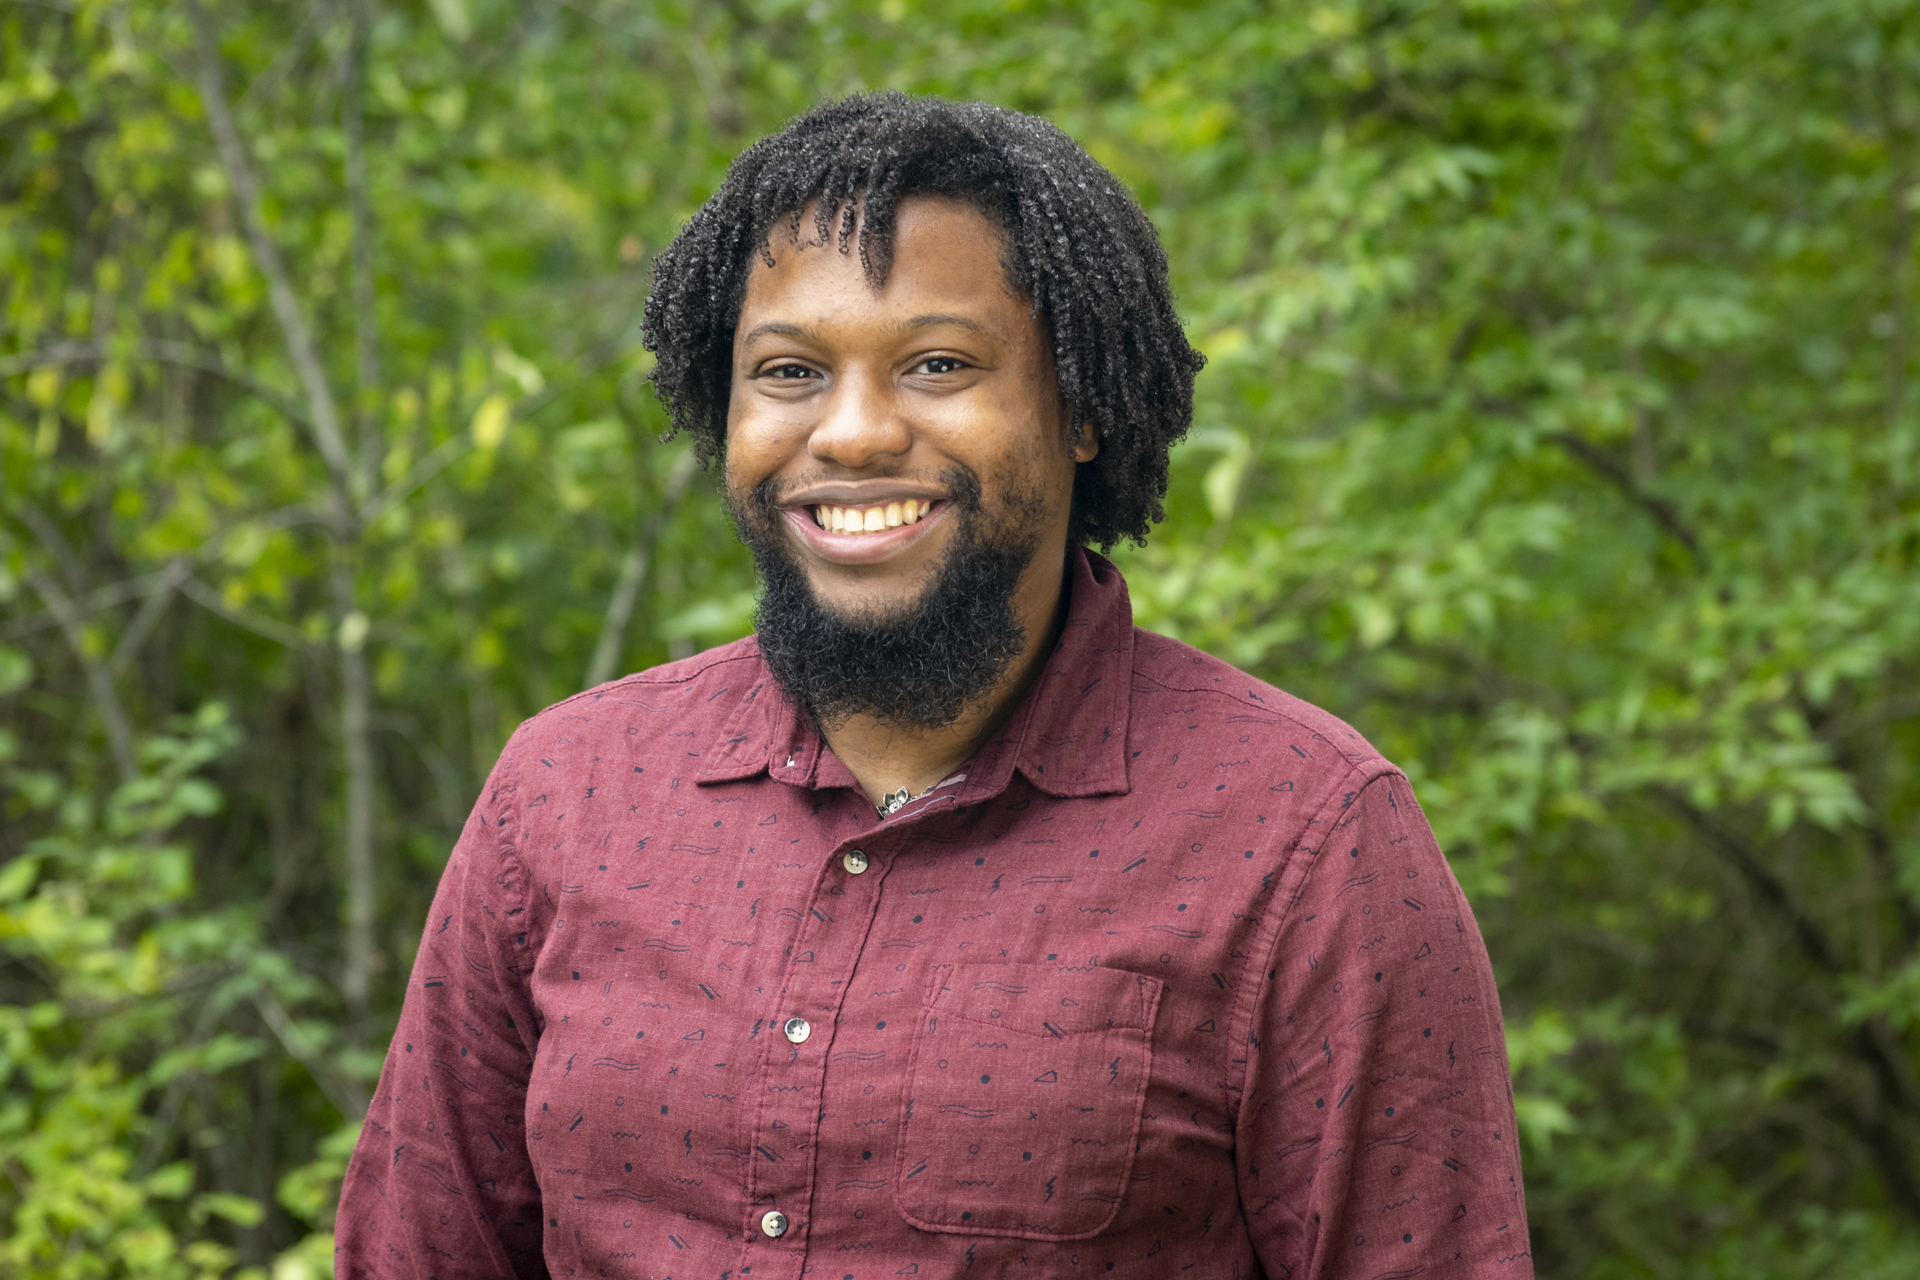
[441, 1184]
[1376, 1133]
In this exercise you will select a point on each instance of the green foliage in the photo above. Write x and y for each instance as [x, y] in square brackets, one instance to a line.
[100, 909]
[1558, 433]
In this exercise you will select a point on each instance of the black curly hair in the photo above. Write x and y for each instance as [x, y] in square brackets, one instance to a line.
[1076, 244]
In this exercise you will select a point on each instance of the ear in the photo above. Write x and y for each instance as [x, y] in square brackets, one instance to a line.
[1087, 448]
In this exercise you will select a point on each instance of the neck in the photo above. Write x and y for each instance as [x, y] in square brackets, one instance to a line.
[884, 758]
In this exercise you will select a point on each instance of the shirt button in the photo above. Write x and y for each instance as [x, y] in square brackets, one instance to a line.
[797, 1030]
[774, 1223]
[855, 862]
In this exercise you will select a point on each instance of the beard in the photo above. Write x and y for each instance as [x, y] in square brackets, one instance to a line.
[917, 665]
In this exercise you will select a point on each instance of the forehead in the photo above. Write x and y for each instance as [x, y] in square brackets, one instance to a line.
[948, 257]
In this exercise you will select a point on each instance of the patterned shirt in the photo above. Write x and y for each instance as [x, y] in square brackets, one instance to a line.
[1169, 979]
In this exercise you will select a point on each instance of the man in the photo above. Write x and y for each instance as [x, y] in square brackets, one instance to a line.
[950, 925]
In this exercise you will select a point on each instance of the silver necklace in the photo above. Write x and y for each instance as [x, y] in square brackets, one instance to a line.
[891, 802]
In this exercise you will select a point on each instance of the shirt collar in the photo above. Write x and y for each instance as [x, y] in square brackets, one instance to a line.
[1067, 738]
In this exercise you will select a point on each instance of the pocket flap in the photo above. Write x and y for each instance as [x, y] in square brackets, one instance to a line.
[1041, 1000]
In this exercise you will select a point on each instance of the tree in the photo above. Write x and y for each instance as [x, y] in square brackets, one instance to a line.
[1557, 434]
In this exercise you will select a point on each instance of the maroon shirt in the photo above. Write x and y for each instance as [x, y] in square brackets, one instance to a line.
[1170, 979]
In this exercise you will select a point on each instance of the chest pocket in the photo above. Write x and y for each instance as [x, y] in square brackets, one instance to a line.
[1022, 1105]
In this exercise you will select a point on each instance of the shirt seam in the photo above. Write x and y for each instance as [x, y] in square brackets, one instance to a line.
[1271, 924]
[512, 859]
[1489, 993]
[1264, 708]
[1273, 918]
[645, 677]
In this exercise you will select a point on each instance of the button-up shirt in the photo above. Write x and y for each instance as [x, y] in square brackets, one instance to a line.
[1169, 979]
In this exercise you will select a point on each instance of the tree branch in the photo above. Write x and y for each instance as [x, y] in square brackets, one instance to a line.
[1899, 269]
[152, 609]
[167, 1115]
[209, 599]
[269, 80]
[324, 416]
[633, 571]
[446, 781]
[1890, 1153]
[99, 681]
[345, 1097]
[113, 714]
[1886, 1061]
[1659, 508]
[1764, 883]
[453, 448]
[53, 542]
[356, 689]
[366, 330]
[147, 583]
[160, 351]
[94, 601]
[356, 747]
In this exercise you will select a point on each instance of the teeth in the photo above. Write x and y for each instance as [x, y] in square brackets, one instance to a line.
[872, 519]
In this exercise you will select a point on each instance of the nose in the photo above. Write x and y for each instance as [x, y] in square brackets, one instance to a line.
[862, 423]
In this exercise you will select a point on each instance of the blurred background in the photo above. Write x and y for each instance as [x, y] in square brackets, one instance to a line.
[1558, 432]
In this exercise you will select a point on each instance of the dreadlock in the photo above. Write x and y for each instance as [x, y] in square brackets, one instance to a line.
[1076, 245]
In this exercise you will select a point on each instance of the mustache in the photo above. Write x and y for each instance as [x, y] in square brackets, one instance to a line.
[770, 495]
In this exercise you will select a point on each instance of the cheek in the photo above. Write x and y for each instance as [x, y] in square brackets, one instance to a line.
[1036, 445]
[765, 434]
[742, 471]
[733, 482]
[751, 449]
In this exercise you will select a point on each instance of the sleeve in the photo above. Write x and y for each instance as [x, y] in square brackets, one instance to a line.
[441, 1183]
[1376, 1132]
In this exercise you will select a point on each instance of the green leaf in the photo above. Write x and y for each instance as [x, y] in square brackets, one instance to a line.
[242, 1211]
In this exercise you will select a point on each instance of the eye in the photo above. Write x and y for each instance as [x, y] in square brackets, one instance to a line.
[788, 372]
[939, 364]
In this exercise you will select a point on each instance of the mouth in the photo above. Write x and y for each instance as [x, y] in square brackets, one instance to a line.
[866, 533]
[875, 517]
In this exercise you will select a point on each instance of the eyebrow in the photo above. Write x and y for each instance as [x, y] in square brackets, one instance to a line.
[939, 318]
[782, 329]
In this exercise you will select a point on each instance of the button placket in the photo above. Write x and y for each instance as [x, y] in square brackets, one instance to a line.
[793, 1068]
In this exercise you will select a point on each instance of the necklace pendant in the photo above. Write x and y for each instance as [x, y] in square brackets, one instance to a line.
[890, 803]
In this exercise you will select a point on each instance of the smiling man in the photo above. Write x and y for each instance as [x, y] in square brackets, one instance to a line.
[949, 925]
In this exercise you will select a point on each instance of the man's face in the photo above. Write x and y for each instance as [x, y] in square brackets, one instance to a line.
[876, 410]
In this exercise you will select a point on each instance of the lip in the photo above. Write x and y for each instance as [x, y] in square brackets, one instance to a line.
[860, 548]
[858, 493]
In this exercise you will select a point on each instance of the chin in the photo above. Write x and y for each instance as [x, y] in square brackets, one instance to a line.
[860, 609]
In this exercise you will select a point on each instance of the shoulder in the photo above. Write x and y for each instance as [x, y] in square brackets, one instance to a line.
[1245, 720]
[640, 714]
